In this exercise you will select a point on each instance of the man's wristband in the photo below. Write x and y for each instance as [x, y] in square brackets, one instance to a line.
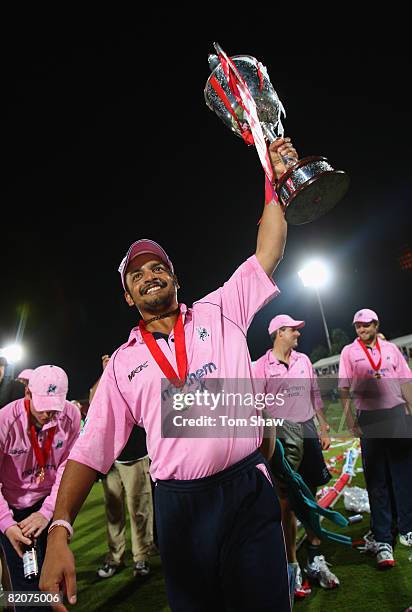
[61, 523]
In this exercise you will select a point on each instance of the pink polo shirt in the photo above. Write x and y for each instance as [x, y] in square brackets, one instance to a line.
[130, 389]
[298, 385]
[18, 465]
[369, 392]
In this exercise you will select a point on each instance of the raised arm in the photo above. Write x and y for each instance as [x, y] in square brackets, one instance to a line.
[273, 228]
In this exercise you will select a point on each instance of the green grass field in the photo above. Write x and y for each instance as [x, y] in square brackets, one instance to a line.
[363, 587]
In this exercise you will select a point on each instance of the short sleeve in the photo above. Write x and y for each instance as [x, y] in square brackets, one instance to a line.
[258, 367]
[403, 372]
[245, 293]
[107, 427]
[345, 369]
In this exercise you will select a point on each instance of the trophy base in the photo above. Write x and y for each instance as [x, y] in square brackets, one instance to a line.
[311, 188]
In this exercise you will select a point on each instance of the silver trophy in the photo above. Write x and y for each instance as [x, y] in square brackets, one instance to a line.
[310, 187]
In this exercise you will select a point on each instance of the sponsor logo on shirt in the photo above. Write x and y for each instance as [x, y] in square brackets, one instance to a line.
[137, 370]
[202, 333]
[208, 368]
[59, 444]
[382, 371]
[193, 378]
[18, 451]
[48, 466]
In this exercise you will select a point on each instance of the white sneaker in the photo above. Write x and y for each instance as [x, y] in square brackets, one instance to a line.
[384, 556]
[319, 570]
[406, 539]
[107, 570]
[301, 590]
[371, 545]
[141, 568]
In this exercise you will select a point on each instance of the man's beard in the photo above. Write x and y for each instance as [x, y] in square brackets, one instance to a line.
[160, 304]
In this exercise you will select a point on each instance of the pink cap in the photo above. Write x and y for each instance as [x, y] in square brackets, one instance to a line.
[366, 315]
[139, 248]
[48, 385]
[25, 374]
[283, 320]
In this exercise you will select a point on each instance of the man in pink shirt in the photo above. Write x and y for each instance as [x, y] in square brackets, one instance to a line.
[24, 378]
[216, 508]
[376, 374]
[36, 436]
[283, 369]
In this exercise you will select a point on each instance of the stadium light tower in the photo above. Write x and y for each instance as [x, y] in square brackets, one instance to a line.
[316, 274]
[13, 353]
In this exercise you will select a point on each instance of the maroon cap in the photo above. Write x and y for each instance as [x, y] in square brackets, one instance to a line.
[141, 247]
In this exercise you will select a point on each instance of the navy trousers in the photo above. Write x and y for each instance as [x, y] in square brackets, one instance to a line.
[221, 542]
[387, 464]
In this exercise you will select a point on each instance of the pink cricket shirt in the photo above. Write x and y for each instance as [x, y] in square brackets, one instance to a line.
[18, 465]
[130, 389]
[371, 393]
[298, 384]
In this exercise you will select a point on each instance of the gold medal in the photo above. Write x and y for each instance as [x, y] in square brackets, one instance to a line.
[40, 476]
[378, 375]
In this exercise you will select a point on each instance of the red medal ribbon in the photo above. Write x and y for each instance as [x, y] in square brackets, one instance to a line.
[178, 380]
[375, 366]
[42, 454]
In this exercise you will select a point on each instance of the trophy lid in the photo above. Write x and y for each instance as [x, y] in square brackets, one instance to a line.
[213, 61]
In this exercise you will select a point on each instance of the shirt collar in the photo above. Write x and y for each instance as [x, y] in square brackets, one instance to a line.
[294, 356]
[136, 336]
[50, 424]
[371, 348]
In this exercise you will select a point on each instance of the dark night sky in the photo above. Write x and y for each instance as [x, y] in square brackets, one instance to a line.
[106, 139]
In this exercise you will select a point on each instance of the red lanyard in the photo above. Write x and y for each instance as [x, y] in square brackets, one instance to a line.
[41, 454]
[178, 380]
[375, 366]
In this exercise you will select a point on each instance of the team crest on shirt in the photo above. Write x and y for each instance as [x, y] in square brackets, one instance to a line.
[202, 333]
[59, 444]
